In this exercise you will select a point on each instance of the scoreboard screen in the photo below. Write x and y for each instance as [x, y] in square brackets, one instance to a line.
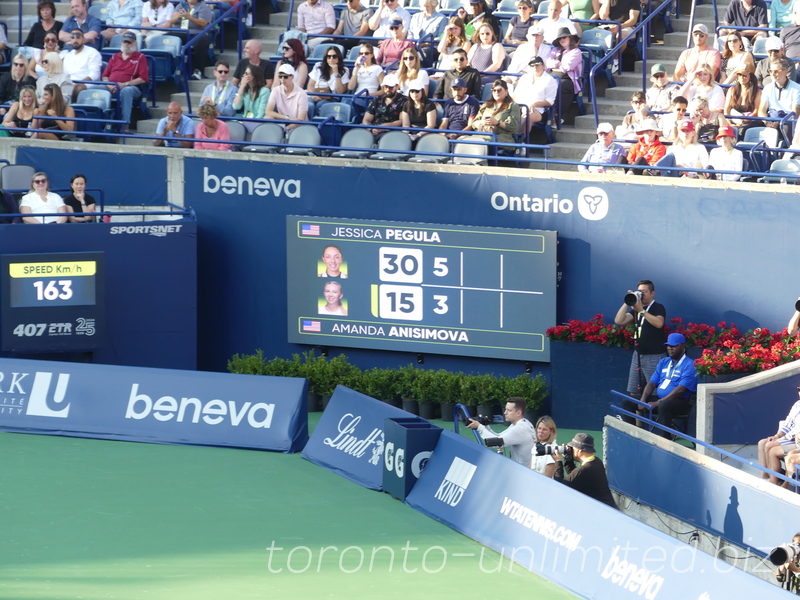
[416, 287]
[51, 302]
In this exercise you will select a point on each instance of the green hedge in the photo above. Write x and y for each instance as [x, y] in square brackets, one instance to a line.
[425, 385]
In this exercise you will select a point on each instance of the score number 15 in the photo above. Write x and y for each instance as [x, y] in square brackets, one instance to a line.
[404, 265]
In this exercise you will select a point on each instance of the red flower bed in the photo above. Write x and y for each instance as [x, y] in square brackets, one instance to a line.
[726, 349]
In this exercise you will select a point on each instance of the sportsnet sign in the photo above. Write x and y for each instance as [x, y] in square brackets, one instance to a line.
[153, 405]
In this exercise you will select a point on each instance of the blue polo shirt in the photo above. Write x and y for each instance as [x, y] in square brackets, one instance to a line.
[185, 128]
[90, 24]
[669, 374]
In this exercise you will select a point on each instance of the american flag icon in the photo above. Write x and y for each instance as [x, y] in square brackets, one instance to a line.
[312, 326]
[306, 229]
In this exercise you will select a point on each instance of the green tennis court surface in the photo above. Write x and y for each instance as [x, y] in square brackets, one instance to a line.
[97, 519]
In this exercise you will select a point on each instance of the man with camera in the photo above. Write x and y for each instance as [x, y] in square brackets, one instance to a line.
[787, 558]
[648, 318]
[589, 478]
[520, 435]
[674, 381]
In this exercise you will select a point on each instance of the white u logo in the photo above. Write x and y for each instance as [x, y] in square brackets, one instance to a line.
[37, 403]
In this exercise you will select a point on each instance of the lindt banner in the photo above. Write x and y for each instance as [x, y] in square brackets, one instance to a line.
[153, 405]
[349, 437]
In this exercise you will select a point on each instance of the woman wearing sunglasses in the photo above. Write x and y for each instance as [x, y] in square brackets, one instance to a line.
[12, 82]
[329, 75]
[41, 200]
[35, 67]
[294, 54]
[411, 70]
[54, 74]
[390, 51]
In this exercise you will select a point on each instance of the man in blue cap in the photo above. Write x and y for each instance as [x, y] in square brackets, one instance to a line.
[460, 110]
[674, 381]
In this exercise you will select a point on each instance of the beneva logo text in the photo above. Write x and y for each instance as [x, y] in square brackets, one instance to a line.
[593, 203]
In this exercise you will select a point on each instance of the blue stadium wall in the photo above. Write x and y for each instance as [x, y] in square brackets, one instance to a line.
[715, 252]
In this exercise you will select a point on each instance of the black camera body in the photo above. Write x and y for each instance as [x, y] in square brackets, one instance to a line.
[485, 421]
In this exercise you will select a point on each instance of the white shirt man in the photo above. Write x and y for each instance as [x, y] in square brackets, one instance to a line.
[555, 21]
[535, 46]
[82, 63]
[520, 435]
[316, 17]
[390, 9]
[536, 89]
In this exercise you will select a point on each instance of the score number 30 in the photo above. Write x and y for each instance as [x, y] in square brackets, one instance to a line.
[404, 265]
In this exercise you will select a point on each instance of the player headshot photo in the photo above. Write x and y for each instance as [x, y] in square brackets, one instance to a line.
[331, 303]
[332, 263]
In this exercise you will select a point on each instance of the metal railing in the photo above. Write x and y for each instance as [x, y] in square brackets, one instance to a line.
[644, 29]
[188, 47]
[648, 420]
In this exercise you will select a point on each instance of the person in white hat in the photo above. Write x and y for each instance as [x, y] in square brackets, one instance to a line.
[386, 109]
[774, 48]
[604, 150]
[699, 54]
[287, 101]
[649, 149]
[535, 46]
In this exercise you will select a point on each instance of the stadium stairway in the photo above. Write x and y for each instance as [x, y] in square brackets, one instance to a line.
[614, 103]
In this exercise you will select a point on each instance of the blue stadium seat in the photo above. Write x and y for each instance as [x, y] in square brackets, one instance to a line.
[478, 151]
[436, 144]
[392, 140]
[267, 133]
[355, 138]
[304, 135]
[171, 43]
[319, 51]
[340, 111]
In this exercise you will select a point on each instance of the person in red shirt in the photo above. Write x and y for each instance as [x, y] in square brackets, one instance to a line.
[649, 149]
[128, 68]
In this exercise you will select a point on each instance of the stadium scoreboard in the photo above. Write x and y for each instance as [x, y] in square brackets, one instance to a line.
[52, 302]
[424, 288]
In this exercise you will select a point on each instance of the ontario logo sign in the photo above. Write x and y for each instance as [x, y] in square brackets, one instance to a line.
[592, 203]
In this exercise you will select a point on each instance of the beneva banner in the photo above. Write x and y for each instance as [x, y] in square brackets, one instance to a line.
[153, 405]
[570, 539]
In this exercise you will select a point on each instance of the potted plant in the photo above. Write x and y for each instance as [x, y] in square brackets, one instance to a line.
[405, 388]
[333, 372]
[451, 384]
[381, 384]
[470, 393]
[531, 389]
[490, 388]
[423, 390]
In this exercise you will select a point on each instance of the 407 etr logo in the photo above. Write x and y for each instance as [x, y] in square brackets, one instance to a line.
[82, 327]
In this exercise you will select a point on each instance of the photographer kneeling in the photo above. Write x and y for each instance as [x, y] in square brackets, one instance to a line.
[590, 477]
[520, 435]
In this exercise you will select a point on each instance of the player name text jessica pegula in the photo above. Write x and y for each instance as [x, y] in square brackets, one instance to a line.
[413, 333]
[405, 235]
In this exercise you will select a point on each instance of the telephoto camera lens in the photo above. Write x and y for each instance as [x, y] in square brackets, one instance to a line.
[634, 297]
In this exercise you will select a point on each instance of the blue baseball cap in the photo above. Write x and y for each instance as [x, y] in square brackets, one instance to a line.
[675, 339]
